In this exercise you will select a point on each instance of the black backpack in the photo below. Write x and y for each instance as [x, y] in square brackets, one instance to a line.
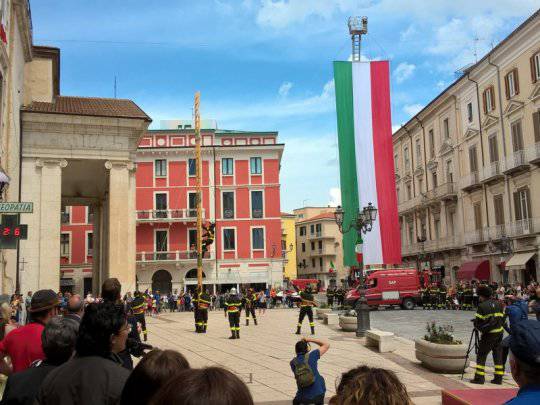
[303, 373]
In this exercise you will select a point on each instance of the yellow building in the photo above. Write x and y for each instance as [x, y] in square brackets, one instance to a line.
[288, 240]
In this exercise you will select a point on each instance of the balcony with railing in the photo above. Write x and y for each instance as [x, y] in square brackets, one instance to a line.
[447, 243]
[171, 256]
[534, 154]
[325, 251]
[320, 235]
[470, 181]
[409, 204]
[496, 232]
[446, 191]
[174, 215]
[476, 237]
[523, 227]
[492, 172]
[516, 162]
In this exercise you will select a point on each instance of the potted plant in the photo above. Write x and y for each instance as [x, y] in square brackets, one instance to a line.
[439, 351]
[347, 321]
[322, 309]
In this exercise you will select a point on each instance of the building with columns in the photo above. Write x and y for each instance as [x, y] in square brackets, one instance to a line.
[16, 54]
[467, 168]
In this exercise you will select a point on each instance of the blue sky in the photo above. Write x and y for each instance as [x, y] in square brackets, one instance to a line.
[267, 64]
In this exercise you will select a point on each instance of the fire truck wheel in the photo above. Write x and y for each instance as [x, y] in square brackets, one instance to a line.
[408, 304]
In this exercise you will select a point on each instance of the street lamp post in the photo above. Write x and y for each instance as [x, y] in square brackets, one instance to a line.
[363, 223]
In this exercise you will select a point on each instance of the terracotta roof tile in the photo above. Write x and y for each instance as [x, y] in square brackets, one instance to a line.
[324, 215]
[91, 106]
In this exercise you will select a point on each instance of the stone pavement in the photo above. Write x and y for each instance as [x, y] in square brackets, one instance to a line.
[261, 357]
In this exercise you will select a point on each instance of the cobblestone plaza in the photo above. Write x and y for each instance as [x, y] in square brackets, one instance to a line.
[261, 357]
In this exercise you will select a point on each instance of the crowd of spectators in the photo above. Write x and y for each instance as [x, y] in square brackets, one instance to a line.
[72, 351]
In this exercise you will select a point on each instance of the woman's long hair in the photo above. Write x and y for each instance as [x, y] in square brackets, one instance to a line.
[370, 386]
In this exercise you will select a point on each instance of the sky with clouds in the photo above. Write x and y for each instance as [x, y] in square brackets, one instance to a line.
[267, 64]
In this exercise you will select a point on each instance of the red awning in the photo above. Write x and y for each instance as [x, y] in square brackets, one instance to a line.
[474, 270]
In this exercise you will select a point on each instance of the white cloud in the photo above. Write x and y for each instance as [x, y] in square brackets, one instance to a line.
[441, 85]
[305, 156]
[284, 89]
[412, 109]
[335, 197]
[395, 128]
[279, 14]
[408, 33]
[403, 71]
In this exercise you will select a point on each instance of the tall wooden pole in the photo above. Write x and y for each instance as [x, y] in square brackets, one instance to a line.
[198, 172]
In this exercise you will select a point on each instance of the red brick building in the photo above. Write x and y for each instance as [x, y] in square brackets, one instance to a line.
[241, 194]
[76, 245]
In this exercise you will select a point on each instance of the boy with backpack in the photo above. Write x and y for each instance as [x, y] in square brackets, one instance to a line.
[311, 386]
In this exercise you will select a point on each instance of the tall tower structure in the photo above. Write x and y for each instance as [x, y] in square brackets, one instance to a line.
[357, 28]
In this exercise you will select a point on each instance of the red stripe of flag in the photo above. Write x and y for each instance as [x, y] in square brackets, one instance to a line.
[384, 162]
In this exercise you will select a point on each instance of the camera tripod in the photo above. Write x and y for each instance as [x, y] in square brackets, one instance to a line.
[473, 345]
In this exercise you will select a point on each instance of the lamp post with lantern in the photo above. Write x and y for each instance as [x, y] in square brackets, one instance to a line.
[362, 224]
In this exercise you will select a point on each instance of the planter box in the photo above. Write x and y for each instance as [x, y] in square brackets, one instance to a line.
[347, 323]
[319, 312]
[449, 359]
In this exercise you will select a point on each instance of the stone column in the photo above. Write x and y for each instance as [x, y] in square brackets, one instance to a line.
[49, 228]
[121, 224]
[96, 254]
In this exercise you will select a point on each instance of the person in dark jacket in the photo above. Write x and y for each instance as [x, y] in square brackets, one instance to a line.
[516, 310]
[58, 342]
[488, 321]
[95, 375]
[74, 308]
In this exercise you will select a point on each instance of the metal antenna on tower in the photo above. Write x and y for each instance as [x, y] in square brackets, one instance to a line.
[357, 28]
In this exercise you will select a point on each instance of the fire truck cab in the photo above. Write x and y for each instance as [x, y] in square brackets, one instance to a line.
[398, 286]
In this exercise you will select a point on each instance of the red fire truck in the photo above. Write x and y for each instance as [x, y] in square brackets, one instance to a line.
[389, 286]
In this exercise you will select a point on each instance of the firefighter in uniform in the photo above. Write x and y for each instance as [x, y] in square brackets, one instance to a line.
[425, 298]
[467, 297]
[306, 308]
[433, 296]
[340, 296]
[442, 296]
[330, 293]
[249, 304]
[459, 296]
[489, 321]
[202, 303]
[138, 307]
[232, 307]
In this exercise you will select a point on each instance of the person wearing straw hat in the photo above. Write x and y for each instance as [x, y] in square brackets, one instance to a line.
[23, 345]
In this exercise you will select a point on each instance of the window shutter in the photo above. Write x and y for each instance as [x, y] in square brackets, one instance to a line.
[533, 69]
[492, 90]
[484, 102]
[517, 206]
[507, 86]
[536, 124]
[516, 80]
[528, 214]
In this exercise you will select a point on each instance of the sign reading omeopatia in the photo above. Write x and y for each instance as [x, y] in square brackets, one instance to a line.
[16, 208]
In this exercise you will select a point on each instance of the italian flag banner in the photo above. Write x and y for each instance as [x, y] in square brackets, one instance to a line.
[366, 158]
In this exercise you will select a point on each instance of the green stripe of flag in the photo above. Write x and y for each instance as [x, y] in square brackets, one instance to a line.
[347, 158]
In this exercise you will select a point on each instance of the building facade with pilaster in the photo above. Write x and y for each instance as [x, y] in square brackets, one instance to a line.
[468, 168]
